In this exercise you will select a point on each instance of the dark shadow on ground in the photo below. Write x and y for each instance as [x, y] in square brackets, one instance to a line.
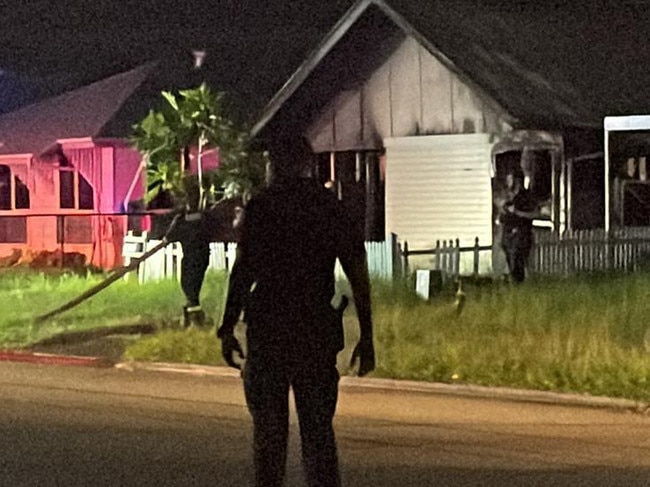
[108, 343]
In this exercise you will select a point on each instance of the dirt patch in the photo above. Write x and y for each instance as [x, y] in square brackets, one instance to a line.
[109, 343]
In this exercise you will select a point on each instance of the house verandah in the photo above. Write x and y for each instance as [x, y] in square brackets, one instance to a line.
[69, 202]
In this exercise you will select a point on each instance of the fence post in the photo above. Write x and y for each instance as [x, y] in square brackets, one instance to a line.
[475, 266]
[231, 255]
[391, 242]
[63, 235]
[405, 254]
[437, 257]
[445, 258]
[455, 257]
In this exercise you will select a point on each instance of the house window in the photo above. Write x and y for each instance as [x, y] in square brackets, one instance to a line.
[14, 194]
[75, 192]
[74, 229]
[13, 229]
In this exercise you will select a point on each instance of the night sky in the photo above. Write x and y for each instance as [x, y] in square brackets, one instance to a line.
[78, 41]
[62, 44]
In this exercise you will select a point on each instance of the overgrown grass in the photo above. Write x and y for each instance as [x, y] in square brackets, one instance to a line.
[587, 335]
[25, 295]
[576, 335]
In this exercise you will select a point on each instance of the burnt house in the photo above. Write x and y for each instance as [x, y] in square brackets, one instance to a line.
[415, 111]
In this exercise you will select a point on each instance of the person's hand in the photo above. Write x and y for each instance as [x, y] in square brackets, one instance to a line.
[364, 353]
[230, 346]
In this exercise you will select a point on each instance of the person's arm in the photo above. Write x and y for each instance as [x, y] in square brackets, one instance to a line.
[529, 215]
[524, 207]
[240, 281]
[355, 265]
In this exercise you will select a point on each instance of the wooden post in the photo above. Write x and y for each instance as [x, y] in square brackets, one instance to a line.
[394, 256]
[405, 254]
[436, 256]
[445, 257]
[455, 257]
[476, 257]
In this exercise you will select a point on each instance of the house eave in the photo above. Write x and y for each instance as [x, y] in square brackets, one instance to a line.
[14, 157]
[337, 33]
[304, 70]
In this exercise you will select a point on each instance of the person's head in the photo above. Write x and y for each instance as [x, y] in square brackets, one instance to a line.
[291, 158]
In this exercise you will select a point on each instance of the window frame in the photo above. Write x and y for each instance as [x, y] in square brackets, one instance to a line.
[12, 190]
[76, 189]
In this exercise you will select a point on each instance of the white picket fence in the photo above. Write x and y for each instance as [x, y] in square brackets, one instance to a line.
[166, 263]
[625, 249]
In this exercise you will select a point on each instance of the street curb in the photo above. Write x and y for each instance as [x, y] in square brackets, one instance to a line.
[377, 384]
[54, 359]
[347, 382]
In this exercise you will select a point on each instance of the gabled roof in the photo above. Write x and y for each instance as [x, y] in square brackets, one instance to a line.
[559, 65]
[84, 112]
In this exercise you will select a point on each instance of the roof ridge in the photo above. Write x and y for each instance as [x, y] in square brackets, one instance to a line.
[81, 112]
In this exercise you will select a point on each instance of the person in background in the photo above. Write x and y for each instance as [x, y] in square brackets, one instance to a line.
[517, 212]
[192, 231]
[195, 243]
[283, 278]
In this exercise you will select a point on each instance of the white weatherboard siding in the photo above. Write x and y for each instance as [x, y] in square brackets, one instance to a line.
[439, 188]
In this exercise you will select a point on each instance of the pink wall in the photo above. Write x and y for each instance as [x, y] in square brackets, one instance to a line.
[126, 164]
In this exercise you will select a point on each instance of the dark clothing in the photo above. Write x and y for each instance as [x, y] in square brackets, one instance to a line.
[193, 266]
[192, 233]
[315, 388]
[517, 238]
[290, 239]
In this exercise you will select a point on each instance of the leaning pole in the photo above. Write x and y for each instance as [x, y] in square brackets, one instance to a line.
[116, 275]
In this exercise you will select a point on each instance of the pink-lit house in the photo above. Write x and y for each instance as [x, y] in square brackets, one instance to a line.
[67, 173]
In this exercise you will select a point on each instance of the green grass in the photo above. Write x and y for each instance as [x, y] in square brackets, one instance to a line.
[25, 295]
[192, 346]
[588, 335]
[575, 335]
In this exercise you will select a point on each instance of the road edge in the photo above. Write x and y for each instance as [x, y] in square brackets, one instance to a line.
[378, 384]
[347, 382]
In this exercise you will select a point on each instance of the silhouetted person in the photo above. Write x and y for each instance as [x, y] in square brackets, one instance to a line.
[193, 233]
[195, 243]
[516, 216]
[291, 235]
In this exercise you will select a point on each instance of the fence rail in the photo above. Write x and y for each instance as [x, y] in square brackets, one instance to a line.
[446, 256]
[166, 264]
[573, 252]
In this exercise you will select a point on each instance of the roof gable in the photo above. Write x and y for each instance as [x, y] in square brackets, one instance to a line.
[549, 67]
[80, 113]
[353, 16]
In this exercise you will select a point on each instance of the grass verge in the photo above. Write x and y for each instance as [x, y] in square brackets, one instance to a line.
[585, 335]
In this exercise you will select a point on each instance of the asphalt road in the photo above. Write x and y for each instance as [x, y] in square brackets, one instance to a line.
[77, 426]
